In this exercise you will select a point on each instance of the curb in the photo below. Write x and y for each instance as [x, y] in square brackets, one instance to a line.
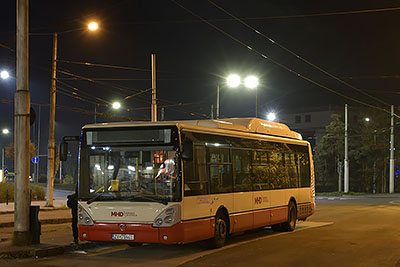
[45, 221]
[41, 210]
[51, 250]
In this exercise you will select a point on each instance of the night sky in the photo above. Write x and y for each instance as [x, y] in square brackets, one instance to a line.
[192, 57]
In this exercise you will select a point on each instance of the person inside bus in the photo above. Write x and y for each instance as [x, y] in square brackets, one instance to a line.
[167, 170]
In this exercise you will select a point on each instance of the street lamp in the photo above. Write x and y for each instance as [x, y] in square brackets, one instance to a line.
[4, 75]
[93, 26]
[51, 143]
[116, 105]
[5, 131]
[233, 81]
[271, 116]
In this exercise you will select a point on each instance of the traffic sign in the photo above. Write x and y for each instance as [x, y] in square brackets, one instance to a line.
[6, 171]
[35, 159]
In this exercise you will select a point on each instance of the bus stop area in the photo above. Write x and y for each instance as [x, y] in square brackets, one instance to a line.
[56, 234]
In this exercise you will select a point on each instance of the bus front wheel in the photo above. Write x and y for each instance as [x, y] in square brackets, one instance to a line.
[220, 231]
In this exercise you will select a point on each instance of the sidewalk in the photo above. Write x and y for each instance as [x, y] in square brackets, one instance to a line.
[56, 237]
[55, 240]
[47, 215]
[356, 196]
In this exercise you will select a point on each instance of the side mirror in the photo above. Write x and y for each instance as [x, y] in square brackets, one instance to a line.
[63, 151]
[187, 152]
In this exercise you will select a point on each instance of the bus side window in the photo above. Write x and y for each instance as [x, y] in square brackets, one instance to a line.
[242, 170]
[304, 163]
[195, 173]
[220, 169]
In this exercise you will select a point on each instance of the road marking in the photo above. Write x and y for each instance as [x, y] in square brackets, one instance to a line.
[299, 227]
[191, 255]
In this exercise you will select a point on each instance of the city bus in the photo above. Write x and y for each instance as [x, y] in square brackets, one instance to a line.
[176, 182]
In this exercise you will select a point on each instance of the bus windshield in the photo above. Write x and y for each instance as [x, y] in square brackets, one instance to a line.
[133, 173]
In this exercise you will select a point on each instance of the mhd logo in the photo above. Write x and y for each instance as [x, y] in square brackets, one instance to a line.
[117, 214]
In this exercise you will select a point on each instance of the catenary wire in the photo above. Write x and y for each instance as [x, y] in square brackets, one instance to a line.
[280, 64]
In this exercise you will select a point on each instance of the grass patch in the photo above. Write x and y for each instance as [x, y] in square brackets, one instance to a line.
[7, 191]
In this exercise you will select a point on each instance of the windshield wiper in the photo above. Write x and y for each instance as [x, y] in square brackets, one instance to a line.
[97, 197]
[162, 201]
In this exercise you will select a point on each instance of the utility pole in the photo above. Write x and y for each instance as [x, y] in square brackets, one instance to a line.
[346, 156]
[51, 143]
[391, 163]
[217, 101]
[153, 89]
[212, 112]
[22, 129]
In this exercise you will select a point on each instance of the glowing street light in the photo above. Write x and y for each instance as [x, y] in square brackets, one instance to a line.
[251, 82]
[271, 116]
[367, 119]
[5, 131]
[233, 80]
[4, 74]
[93, 26]
[116, 105]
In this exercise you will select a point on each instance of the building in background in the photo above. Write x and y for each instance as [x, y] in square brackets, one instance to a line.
[310, 122]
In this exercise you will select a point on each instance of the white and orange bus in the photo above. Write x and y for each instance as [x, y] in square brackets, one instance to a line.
[183, 181]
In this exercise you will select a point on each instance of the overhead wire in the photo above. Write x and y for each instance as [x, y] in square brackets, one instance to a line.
[336, 13]
[280, 64]
[294, 54]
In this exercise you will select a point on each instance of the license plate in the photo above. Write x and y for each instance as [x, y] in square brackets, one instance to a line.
[129, 237]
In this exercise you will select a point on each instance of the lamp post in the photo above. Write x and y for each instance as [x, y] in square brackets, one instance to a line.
[92, 26]
[234, 81]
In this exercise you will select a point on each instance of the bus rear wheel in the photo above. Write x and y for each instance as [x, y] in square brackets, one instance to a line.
[220, 231]
[290, 225]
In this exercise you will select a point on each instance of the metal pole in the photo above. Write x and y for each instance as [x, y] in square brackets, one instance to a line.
[346, 156]
[153, 89]
[38, 148]
[95, 111]
[256, 104]
[217, 101]
[60, 171]
[51, 143]
[2, 158]
[162, 114]
[22, 129]
[391, 166]
[212, 112]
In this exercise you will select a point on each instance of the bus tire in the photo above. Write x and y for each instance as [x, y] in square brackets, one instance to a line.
[220, 231]
[292, 218]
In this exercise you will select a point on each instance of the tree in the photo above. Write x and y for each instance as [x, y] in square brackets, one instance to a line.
[10, 150]
[368, 151]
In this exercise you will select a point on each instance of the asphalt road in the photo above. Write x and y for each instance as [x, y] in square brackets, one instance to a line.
[343, 232]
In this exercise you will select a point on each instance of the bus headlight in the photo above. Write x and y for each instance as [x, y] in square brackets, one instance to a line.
[84, 218]
[168, 217]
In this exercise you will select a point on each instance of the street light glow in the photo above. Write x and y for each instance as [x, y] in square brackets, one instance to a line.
[116, 105]
[5, 131]
[4, 74]
[271, 116]
[251, 82]
[367, 119]
[93, 26]
[233, 80]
